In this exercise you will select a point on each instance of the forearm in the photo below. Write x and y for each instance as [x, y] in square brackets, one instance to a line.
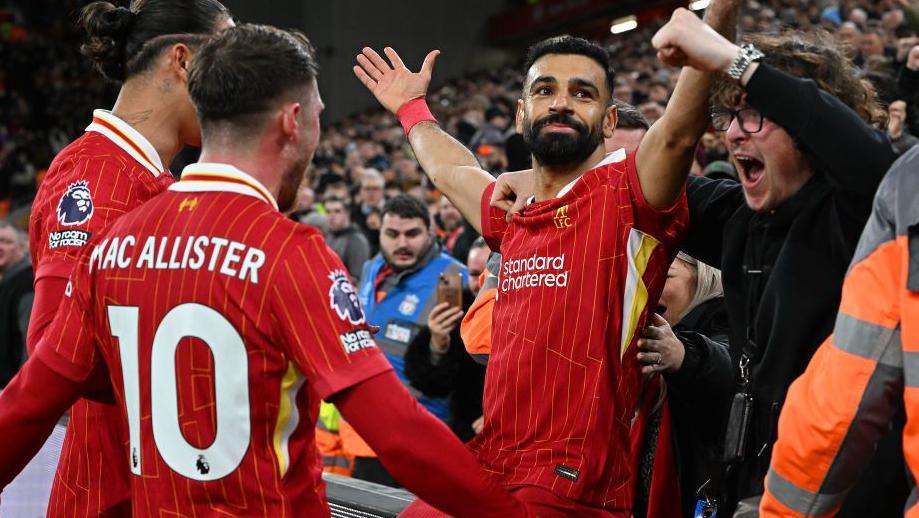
[853, 155]
[49, 290]
[452, 169]
[439, 153]
[687, 112]
[666, 153]
[29, 408]
[434, 464]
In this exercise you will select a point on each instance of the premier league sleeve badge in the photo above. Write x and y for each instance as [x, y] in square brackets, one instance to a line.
[343, 299]
[76, 205]
[74, 209]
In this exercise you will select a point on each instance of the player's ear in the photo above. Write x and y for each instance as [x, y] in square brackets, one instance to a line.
[518, 117]
[290, 120]
[179, 60]
[609, 121]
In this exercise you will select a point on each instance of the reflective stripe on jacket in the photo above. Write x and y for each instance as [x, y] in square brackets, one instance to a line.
[844, 402]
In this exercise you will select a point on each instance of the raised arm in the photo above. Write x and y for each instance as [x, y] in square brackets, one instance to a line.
[451, 167]
[665, 155]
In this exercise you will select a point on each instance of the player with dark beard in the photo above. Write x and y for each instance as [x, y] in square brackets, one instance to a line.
[583, 263]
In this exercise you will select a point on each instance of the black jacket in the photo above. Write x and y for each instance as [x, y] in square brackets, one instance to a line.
[695, 394]
[16, 294]
[453, 374]
[782, 271]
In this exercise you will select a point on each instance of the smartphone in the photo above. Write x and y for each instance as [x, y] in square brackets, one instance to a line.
[450, 289]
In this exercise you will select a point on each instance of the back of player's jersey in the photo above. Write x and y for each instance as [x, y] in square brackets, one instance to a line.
[212, 311]
[107, 172]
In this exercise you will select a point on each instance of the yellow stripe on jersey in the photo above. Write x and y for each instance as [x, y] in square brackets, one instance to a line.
[288, 415]
[635, 297]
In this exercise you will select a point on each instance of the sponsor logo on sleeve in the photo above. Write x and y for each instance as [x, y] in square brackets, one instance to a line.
[76, 205]
[64, 238]
[355, 341]
[343, 298]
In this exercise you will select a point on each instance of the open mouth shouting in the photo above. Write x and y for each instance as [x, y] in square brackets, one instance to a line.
[750, 170]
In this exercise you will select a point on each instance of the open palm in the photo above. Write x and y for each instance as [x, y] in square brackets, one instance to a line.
[392, 83]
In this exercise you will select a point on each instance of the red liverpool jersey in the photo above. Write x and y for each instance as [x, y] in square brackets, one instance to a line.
[579, 275]
[110, 170]
[222, 324]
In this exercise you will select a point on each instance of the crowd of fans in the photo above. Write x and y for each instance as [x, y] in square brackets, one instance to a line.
[47, 91]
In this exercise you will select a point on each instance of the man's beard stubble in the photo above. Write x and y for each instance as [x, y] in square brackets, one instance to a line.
[290, 185]
[561, 149]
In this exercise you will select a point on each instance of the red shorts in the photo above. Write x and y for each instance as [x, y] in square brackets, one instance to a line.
[539, 501]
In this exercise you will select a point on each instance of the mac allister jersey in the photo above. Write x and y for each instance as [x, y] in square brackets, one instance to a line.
[222, 324]
[578, 278]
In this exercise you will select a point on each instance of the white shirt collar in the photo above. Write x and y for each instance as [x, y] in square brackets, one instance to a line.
[209, 177]
[127, 138]
[610, 158]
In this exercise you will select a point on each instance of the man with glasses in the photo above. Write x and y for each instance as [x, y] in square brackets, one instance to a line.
[798, 125]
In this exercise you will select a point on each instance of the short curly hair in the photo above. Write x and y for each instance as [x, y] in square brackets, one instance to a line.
[813, 55]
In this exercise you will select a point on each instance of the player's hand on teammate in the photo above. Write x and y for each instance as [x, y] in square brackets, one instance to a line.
[659, 349]
[512, 191]
[442, 321]
[688, 41]
[478, 425]
[390, 81]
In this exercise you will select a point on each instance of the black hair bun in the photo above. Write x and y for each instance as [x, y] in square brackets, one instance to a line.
[107, 29]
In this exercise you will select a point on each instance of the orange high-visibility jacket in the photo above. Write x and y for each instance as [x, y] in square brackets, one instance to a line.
[476, 326]
[843, 403]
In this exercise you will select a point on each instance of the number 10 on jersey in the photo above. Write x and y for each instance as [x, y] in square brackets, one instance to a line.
[231, 389]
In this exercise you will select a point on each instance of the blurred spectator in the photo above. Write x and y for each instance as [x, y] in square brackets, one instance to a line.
[453, 231]
[12, 247]
[307, 211]
[345, 238]
[688, 343]
[901, 139]
[370, 197]
[476, 264]
[652, 110]
[850, 36]
[631, 127]
[15, 299]
[494, 131]
[398, 290]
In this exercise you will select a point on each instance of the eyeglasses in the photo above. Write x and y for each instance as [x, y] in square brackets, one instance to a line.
[751, 121]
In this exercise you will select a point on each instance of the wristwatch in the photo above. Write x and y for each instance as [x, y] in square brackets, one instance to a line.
[748, 54]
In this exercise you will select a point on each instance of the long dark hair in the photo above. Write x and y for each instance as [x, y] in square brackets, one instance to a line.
[125, 41]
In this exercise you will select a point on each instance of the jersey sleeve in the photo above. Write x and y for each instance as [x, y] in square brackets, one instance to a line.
[321, 322]
[666, 225]
[494, 224]
[77, 210]
[68, 346]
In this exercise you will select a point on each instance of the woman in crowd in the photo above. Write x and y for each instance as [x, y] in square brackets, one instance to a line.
[688, 344]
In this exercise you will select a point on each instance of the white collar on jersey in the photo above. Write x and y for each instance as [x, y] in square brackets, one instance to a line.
[208, 177]
[128, 139]
[610, 158]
